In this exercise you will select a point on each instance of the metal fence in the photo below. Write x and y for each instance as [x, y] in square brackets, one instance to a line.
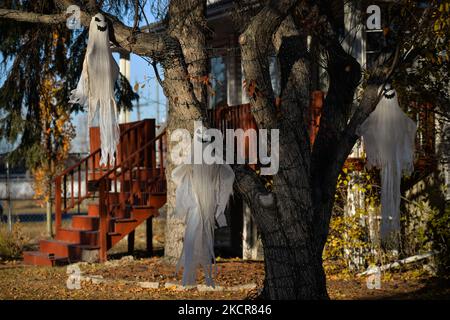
[17, 206]
[30, 216]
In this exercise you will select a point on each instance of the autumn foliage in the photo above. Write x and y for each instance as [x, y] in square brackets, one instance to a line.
[57, 133]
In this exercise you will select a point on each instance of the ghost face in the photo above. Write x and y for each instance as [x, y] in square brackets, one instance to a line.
[388, 91]
[100, 22]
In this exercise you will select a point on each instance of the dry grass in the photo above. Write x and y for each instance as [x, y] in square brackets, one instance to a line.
[25, 282]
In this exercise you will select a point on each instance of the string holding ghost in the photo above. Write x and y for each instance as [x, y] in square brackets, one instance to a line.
[202, 195]
[95, 88]
[389, 140]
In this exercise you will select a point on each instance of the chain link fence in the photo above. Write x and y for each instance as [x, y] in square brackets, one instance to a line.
[21, 215]
[19, 208]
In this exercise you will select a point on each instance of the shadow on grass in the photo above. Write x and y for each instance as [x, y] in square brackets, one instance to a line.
[435, 288]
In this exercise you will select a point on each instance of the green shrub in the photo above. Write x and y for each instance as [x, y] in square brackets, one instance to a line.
[348, 249]
[346, 239]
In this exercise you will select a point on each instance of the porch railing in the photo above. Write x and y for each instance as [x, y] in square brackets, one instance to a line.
[77, 183]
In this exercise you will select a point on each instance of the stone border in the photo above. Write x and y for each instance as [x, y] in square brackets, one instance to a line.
[97, 279]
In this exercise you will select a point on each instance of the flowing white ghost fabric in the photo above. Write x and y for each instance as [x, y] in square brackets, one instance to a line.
[201, 198]
[389, 139]
[95, 88]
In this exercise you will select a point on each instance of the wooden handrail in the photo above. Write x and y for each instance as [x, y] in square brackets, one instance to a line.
[158, 137]
[70, 169]
[126, 176]
[133, 147]
[137, 174]
[89, 167]
[134, 126]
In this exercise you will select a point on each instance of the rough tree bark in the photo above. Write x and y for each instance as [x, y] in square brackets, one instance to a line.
[284, 217]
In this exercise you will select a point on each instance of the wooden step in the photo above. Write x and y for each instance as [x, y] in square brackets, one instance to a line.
[125, 226]
[74, 252]
[123, 220]
[39, 258]
[157, 199]
[144, 212]
[56, 247]
[113, 238]
[77, 236]
[93, 210]
[85, 223]
[113, 234]
[94, 176]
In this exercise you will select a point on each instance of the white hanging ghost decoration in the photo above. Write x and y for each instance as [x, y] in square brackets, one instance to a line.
[95, 88]
[389, 139]
[201, 198]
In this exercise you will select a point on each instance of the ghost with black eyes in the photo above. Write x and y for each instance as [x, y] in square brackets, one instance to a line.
[95, 89]
[389, 140]
[100, 21]
[202, 195]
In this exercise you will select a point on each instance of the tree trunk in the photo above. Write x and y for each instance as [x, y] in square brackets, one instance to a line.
[187, 97]
[49, 192]
[49, 212]
[174, 231]
[293, 263]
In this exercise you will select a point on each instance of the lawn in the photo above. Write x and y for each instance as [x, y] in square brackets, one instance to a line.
[123, 276]
[236, 279]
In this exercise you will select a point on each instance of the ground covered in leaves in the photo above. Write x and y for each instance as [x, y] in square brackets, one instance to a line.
[123, 277]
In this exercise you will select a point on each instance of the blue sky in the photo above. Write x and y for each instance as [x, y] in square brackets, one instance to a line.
[142, 73]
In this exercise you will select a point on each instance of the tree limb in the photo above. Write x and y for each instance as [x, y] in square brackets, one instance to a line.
[187, 23]
[32, 17]
[154, 45]
[255, 41]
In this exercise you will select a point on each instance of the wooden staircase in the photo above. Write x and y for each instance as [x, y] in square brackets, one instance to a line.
[124, 195]
[121, 197]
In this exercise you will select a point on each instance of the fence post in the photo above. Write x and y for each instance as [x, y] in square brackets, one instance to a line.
[8, 191]
[57, 203]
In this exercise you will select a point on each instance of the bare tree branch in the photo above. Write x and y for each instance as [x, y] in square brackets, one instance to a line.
[158, 77]
[255, 44]
[188, 25]
[32, 17]
[154, 45]
[136, 15]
